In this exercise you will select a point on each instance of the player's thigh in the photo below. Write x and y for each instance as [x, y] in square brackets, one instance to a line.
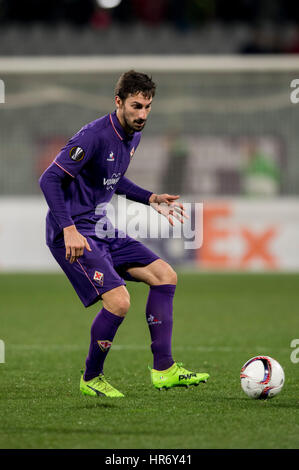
[117, 301]
[92, 274]
[156, 273]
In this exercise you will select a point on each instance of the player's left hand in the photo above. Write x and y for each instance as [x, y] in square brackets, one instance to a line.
[165, 204]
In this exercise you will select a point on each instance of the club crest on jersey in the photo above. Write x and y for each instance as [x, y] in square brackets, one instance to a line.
[151, 320]
[132, 152]
[76, 154]
[99, 277]
[104, 344]
[111, 157]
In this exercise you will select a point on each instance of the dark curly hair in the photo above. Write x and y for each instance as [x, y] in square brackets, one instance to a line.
[132, 83]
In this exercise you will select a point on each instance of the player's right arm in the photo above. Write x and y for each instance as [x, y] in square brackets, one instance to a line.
[66, 166]
[75, 243]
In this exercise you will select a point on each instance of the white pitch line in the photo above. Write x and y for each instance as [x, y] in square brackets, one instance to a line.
[134, 347]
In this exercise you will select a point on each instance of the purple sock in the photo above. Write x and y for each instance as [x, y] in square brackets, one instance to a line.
[159, 318]
[103, 330]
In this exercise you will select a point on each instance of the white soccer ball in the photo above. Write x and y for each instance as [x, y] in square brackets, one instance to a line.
[262, 377]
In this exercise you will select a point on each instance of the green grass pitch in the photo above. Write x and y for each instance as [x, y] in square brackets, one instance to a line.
[220, 321]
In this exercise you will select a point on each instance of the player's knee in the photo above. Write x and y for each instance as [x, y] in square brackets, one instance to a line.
[171, 275]
[120, 306]
[167, 275]
[123, 306]
[117, 301]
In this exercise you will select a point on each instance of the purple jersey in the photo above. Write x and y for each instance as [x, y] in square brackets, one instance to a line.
[87, 172]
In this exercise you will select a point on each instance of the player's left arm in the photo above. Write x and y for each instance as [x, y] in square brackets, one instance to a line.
[132, 191]
[164, 204]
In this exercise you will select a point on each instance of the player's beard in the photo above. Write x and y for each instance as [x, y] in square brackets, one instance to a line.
[133, 126]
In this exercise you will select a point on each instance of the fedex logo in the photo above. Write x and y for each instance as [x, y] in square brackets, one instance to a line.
[236, 238]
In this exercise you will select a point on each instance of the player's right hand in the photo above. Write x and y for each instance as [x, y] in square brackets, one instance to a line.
[74, 243]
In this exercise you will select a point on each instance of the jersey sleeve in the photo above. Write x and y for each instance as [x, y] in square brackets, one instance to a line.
[67, 165]
[76, 153]
[51, 185]
[132, 191]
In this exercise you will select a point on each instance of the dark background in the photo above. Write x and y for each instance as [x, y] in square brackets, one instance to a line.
[242, 26]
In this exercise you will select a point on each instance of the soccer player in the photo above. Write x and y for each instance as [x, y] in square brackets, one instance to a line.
[86, 173]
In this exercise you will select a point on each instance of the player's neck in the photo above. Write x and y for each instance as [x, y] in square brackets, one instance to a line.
[123, 124]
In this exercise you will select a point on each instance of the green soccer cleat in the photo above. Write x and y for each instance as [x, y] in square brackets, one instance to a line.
[176, 376]
[98, 387]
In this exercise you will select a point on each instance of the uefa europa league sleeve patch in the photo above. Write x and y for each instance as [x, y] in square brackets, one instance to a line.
[76, 154]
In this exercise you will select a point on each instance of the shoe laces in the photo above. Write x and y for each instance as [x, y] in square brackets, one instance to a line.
[181, 368]
[106, 386]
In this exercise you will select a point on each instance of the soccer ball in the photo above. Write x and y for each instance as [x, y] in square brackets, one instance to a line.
[262, 377]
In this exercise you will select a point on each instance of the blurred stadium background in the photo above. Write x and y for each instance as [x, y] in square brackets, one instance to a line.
[223, 130]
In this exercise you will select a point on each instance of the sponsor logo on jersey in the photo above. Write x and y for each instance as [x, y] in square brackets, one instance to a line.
[76, 154]
[99, 277]
[151, 320]
[110, 182]
[111, 157]
[104, 344]
[132, 152]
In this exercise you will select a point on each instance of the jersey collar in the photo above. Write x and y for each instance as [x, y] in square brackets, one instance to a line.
[118, 128]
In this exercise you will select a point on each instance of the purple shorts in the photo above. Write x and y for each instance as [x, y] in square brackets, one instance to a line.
[103, 268]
